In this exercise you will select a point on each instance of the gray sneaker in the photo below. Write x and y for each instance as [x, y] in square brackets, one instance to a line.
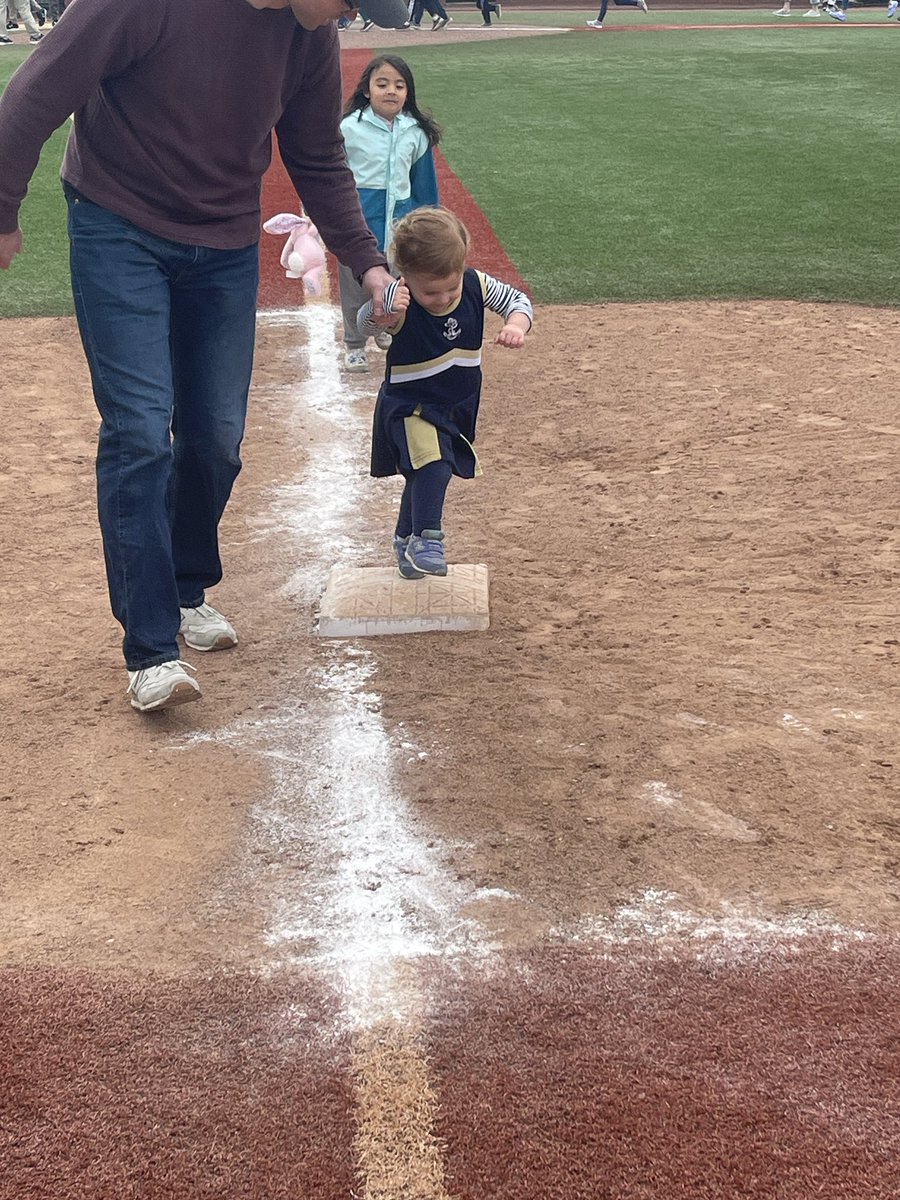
[205, 628]
[404, 566]
[163, 686]
[426, 553]
[356, 362]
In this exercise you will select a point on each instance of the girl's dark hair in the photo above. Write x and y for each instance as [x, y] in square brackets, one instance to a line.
[359, 100]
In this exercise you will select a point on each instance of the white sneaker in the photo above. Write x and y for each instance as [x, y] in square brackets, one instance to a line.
[781, 12]
[163, 686]
[813, 12]
[356, 361]
[594, 24]
[383, 340]
[205, 628]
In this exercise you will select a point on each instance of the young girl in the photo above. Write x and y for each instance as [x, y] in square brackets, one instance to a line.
[425, 415]
[389, 142]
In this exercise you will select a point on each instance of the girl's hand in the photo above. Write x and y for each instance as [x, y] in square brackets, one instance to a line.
[510, 336]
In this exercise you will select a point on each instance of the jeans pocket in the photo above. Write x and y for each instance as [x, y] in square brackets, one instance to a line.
[71, 194]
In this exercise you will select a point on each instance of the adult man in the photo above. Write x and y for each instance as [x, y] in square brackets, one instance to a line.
[175, 102]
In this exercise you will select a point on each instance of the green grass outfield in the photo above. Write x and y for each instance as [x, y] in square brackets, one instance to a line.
[642, 164]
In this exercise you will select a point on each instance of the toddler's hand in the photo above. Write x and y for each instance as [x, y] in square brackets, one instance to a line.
[510, 336]
[400, 302]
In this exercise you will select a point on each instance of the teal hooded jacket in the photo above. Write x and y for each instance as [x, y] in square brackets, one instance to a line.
[393, 166]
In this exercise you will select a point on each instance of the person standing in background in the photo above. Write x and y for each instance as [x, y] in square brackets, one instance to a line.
[597, 23]
[20, 11]
[487, 7]
[389, 144]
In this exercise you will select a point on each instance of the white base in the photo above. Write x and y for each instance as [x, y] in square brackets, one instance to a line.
[369, 601]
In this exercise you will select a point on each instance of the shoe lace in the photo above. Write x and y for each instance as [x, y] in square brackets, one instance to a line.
[206, 611]
[149, 672]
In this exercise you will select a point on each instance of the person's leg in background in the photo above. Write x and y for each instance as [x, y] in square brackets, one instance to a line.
[22, 11]
[353, 297]
[440, 15]
[597, 22]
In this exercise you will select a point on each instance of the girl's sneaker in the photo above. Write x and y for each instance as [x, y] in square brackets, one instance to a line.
[405, 567]
[426, 553]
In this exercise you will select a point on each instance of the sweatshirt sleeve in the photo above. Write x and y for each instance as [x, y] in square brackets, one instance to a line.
[312, 151]
[94, 39]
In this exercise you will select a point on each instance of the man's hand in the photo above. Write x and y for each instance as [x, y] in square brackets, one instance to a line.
[10, 246]
[375, 280]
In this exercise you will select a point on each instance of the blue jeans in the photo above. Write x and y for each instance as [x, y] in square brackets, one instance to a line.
[168, 331]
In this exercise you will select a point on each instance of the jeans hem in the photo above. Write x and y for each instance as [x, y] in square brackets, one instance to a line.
[156, 661]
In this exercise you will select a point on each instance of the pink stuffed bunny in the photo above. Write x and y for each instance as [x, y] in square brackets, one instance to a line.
[303, 256]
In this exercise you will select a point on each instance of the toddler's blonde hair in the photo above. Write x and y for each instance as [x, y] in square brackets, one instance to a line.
[431, 242]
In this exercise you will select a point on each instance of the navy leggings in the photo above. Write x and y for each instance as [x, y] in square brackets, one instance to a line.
[422, 502]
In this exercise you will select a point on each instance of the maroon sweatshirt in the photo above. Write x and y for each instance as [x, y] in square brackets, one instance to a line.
[174, 103]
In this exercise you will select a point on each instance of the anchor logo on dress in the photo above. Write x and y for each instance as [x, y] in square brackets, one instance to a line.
[451, 329]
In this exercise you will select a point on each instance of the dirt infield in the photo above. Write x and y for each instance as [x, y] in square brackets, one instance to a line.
[690, 679]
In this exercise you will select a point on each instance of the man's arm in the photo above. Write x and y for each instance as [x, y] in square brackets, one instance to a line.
[312, 151]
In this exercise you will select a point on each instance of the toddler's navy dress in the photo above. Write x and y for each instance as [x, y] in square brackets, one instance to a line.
[428, 404]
